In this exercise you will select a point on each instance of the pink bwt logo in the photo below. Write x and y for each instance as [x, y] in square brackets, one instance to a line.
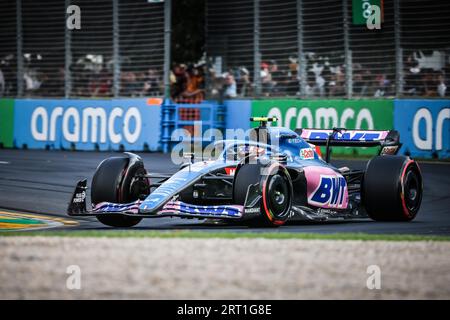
[326, 188]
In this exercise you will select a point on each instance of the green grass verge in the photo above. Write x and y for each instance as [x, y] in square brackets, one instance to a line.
[228, 235]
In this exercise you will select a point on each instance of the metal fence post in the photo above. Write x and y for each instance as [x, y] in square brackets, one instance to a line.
[301, 69]
[116, 49]
[168, 109]
[398, 51]
[167, 39]
[68, 58]
[256, 53]
[347, 54]
[19, 52]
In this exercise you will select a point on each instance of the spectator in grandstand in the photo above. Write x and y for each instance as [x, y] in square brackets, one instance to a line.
[32, 80]
[336, 86]
[151, 83]
[326, 75]
[382, 86]
[52, 83]
[100, 84]
[317, 87]
[128, 84]
[193, 91]
[412, 77]
[292, 83]
[267, 84]
[361, 80]
[429, 83]
[243, 82]
[230, 86]
[8, 68]
[80, 80]
[178, 86]
[442, 88]
[279, 78]
[216, 85]
[2, 83]
[310, 89]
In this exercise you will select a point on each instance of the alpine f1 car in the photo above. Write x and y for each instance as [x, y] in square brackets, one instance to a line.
[262, 183]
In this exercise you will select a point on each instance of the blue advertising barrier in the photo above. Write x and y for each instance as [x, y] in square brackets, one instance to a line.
[87, 124]
[238, 114]
[132, 124]
[424, 127]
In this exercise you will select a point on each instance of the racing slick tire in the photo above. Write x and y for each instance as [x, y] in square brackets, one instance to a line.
[276, 189]
[112, 183]
[392, 188]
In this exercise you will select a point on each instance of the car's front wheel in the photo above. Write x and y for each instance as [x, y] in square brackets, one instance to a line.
[114, 181]
[276, 191]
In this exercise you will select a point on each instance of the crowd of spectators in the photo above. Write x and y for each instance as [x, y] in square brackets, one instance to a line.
[44, 78]
[426, 77]
[325, 78]
[8, 78]
[194, 82]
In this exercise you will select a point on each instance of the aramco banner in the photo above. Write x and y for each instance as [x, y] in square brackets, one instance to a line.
[424, 127]
[326, 114]
[86, 124]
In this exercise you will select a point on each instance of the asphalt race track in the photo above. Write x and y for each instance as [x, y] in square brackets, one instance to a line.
[42, 182]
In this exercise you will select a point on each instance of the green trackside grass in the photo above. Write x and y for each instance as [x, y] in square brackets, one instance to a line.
[227, 235]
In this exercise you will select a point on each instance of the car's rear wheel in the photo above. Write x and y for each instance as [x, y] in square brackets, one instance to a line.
[392, 188]
[276, 190]
[114, 181]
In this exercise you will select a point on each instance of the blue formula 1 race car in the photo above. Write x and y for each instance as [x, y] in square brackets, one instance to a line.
[276, 175]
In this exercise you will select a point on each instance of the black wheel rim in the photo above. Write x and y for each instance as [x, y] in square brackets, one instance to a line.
[278, 195]
[412, 191]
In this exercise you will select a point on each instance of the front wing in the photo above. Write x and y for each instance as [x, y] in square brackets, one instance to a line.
[172, 208]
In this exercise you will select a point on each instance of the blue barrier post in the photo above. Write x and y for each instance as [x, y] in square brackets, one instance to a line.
[220, 117]
[167, 124]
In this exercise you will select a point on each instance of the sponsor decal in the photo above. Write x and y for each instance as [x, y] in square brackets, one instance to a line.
[230, 171]
[425, 142]
[294, 140]
[178, 207]
[389, 150]
[321, 191]
[109, 207]
[89, 125]
[350, 135]
[252, 210]
[212, 210]
[79, 197]
[424, 127]
[306, 153]
[86, 124]
[324, 117]
[331, 192]
[327, 114]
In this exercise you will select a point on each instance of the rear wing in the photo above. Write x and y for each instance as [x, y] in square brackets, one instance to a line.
[389, 140]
